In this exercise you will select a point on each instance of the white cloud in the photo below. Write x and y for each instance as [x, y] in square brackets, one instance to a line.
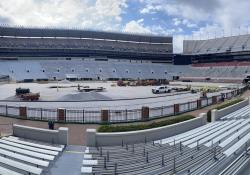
[217, 17]
[99, 14]
[203, 18]
[140, 20]
[139, 27]
[177, 21]
[136, 27]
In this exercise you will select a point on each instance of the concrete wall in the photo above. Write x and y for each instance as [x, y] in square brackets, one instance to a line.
[59, 136]
[217, 114]
[112, 139]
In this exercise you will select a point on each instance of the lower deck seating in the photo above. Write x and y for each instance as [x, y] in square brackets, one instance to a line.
[210, 148]
[22, 156]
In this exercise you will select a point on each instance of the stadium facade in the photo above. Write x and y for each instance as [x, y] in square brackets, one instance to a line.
[26, 43]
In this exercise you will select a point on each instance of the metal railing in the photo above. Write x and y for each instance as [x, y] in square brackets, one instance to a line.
[111, 116]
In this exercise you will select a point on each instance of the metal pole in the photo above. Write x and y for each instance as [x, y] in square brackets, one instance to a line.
[83, 115]
[174, 166]
[6, 110]
[198, 145]
[107, 156]
[215, 150]
[41, 113]
[246, 149]
[126, 114]
[105, 163]
[162, 160]
[115, 168]
[162, 111]
[180, 147]
[101, 151]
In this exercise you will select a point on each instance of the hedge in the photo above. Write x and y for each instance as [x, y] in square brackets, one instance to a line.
[222, 106]
[124, 128]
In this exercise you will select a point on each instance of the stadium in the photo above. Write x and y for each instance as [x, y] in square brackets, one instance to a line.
[87, 102]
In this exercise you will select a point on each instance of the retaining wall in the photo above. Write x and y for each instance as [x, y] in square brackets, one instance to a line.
[112, 139]
[217, 114]
[59, 136]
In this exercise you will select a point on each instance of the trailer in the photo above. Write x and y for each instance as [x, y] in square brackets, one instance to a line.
[30, 96]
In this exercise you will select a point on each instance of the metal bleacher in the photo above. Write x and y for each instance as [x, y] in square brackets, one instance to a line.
[104, 70]
[217, 45]
[215, 148]
[22, 156]
[59, 69]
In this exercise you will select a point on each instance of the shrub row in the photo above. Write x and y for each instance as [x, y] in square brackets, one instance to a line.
[222, 106]
[124, 128]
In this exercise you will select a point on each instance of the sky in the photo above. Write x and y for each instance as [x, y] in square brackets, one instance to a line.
[182, 19]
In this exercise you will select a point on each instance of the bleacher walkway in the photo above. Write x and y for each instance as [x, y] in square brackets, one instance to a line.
[70, 162]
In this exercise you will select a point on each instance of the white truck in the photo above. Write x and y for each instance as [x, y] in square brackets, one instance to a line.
[161, 89]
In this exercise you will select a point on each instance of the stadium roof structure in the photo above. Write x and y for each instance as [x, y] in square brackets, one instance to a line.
[79, 33]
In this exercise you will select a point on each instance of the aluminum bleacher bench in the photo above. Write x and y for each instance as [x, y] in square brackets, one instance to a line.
[234, 136]
[86, 170]
[18, 145]
[5, 171]
[24, 158]
[231, 131]
[87, 156]
[213, 134]
[20, 166]
[18, 140]
[89, 162]
[183, 135]
[243, 111]
[194, 139]
[204, 132]
[27, 152]
[196, 133]
[237, 145]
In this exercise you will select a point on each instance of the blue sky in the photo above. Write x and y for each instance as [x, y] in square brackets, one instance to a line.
[182, 19]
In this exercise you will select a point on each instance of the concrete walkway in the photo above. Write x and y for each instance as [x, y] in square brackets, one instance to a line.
[70, 162]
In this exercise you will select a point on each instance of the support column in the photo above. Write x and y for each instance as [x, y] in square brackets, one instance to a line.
[176, 108]
[61, 115]
[214, 115]
[105, 116]
[145, 113]
[23, 112]
[199, 103]
[91, 137]
[63, 136]
[214, 100]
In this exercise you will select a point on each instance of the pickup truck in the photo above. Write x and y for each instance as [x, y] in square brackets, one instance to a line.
[161, 89]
